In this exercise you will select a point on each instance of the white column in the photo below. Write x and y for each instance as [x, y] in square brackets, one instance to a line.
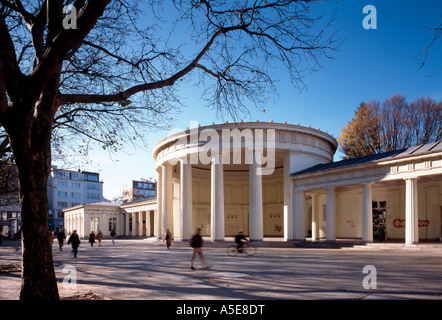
[118, 225]
[186, 206]
[86, 226]
[75, 224]
[217, 201]
[147, 224]
[140, 225]
[166, 198]
[81, 224]
[127, 232]
[157, 215]
[411, 212]
[134, 223]
[105, 224]
[315, 216]
[299, 216]
[367, 214]
[289, 231]
[330, 215]
[255, 203]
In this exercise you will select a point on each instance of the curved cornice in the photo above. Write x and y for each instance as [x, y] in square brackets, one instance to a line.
[281, 127]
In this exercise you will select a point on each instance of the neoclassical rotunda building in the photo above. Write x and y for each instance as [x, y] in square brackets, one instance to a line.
[279, 180]
[234, 177]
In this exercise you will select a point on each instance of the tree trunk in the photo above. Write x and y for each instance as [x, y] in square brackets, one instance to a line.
[31, 145]
[38, 275]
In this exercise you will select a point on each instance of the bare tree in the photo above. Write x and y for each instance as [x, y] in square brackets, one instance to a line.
[425, 118]
[395, 129]
[118, 71]
[395, 124]
[437, 33]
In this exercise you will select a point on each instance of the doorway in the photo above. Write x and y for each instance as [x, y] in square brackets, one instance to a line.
[379, 209]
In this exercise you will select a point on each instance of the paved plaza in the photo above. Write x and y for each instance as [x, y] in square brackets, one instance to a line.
[145, 270]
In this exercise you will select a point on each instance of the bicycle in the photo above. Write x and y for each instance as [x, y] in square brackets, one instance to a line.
[247, 248]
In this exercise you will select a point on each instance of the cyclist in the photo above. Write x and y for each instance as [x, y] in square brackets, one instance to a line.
[239, 241]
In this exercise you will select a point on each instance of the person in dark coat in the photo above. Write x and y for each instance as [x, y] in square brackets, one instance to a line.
[197, 243]
[92, 238]
[168, 238]
[74, 240]
[239, 241]
[113, 234]
[61, 236]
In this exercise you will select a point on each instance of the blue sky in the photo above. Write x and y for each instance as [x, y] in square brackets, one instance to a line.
[370, 65]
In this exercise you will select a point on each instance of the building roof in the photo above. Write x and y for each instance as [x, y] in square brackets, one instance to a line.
[389, 155]
[103, 203]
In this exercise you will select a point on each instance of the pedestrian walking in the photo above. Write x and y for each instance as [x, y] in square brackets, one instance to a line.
[381, 233]
[99, 237]
[113, 234]
[74, 240]
[168, 238]
[197, 243]
[61, 236]
[51, 238]
[92, 238]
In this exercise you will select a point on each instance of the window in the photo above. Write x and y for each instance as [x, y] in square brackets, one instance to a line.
[62, 174]
[91, 176]
[95, 224]
[74, 176]
[62, 194]
[75, 195]
[60, 214]
[62, 204]
[112, 224]
[62, 184]
[91, 195]
[75, 185]
[93, 186]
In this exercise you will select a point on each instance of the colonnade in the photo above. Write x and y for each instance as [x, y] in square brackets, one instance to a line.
[138, 223]
[411, 213]
[184, 227]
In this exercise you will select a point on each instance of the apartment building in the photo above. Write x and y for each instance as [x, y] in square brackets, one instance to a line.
[139, 190]
[69, 188]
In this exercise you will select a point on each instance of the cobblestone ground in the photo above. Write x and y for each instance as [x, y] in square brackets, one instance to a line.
[143, 270]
